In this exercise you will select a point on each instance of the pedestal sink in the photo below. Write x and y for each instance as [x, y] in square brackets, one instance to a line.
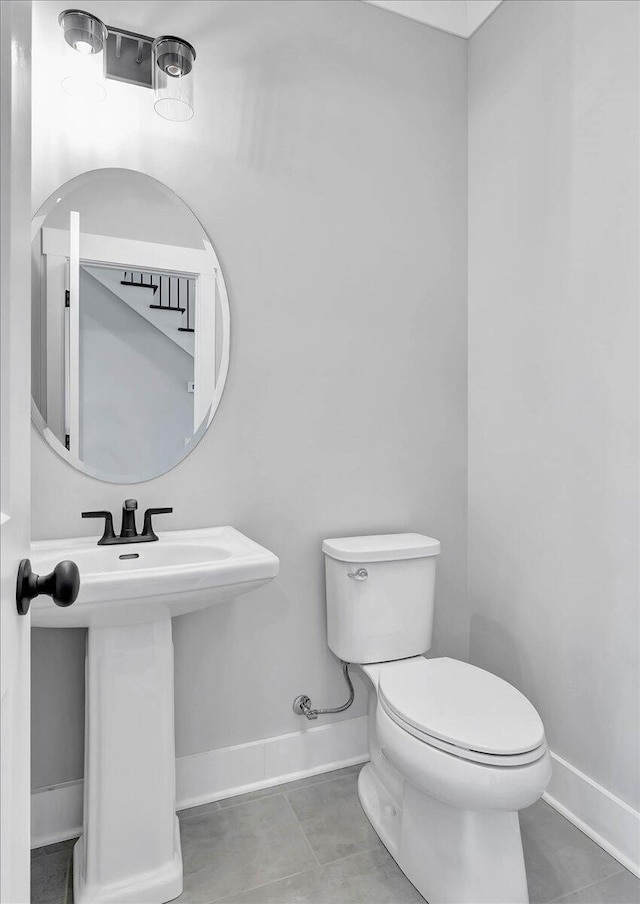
[129, 851]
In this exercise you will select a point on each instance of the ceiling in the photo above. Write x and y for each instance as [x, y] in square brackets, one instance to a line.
[459, 17]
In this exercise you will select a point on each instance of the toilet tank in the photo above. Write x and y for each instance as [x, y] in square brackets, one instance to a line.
[380, 593]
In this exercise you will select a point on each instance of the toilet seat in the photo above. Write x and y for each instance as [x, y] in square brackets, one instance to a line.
[464, 753]
[462, 710]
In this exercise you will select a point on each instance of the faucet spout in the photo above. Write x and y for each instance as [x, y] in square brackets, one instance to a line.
[129, 529]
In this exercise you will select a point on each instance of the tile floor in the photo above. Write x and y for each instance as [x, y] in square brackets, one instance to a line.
[309, 841]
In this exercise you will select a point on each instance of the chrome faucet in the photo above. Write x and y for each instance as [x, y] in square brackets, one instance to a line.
[128, 530]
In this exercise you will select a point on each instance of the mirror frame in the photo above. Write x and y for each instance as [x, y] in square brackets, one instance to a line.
[225, 316]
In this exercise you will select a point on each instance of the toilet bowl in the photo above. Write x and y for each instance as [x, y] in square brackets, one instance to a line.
[454, 751]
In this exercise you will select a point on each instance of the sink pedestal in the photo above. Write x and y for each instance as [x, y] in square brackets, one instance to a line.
[129, 851]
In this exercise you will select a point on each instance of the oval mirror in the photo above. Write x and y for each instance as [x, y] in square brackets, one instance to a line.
[130, 326]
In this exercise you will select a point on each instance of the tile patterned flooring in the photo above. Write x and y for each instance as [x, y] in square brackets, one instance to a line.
[309, 841]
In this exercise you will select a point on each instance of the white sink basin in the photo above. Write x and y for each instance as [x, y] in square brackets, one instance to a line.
[135, 582]
[129, 850]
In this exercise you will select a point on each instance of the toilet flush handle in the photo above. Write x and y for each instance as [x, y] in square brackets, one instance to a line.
[360, 575]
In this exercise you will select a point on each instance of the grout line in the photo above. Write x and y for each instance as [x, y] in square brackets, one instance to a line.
[241, 803]
[301, 872]
[220, 810]
[323, 778]
[304, 834]
[337, 859]
[212, 807]
[368, 850]
[590, 885]
[268, 792]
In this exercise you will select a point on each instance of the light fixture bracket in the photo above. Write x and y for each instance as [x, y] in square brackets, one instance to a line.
[128, 57]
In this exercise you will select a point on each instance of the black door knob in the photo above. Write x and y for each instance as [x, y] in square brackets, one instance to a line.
[62, 585]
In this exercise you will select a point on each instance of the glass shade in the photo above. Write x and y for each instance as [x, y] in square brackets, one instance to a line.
[85, 37]
[173, 79]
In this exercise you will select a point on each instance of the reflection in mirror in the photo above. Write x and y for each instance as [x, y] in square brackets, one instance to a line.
[130, 326]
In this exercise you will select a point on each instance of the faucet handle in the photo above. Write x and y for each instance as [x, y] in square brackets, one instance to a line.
[147, 529]
[108, 533]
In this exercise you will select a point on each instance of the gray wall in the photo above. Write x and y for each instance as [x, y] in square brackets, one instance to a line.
[553, 372]
[135, 410]
[327, 160]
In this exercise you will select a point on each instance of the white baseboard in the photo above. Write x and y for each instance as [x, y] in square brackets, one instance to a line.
[56, 812]
[609, 821]
[229, 771]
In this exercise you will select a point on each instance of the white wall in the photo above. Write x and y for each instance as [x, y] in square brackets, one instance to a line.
[553, 372]
[327, 160]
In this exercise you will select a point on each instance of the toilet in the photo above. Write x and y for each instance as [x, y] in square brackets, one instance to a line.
[454, 751]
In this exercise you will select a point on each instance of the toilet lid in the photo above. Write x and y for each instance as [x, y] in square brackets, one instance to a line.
[462, 705]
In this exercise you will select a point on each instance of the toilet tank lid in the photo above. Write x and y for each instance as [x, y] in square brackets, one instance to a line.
[381, 548]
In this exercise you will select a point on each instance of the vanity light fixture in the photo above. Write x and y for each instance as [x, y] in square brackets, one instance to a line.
[97, 52]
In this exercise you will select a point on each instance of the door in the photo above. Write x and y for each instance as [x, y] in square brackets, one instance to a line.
[15, 345]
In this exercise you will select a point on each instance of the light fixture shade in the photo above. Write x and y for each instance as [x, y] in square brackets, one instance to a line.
[85, 36]
[82, 31]
[173, 61]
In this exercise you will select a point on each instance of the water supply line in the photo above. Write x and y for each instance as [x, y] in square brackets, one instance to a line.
[302, 703]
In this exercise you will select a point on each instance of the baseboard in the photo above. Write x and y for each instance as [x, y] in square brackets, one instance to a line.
[230, 771]
[609, 821]
[56, 811]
